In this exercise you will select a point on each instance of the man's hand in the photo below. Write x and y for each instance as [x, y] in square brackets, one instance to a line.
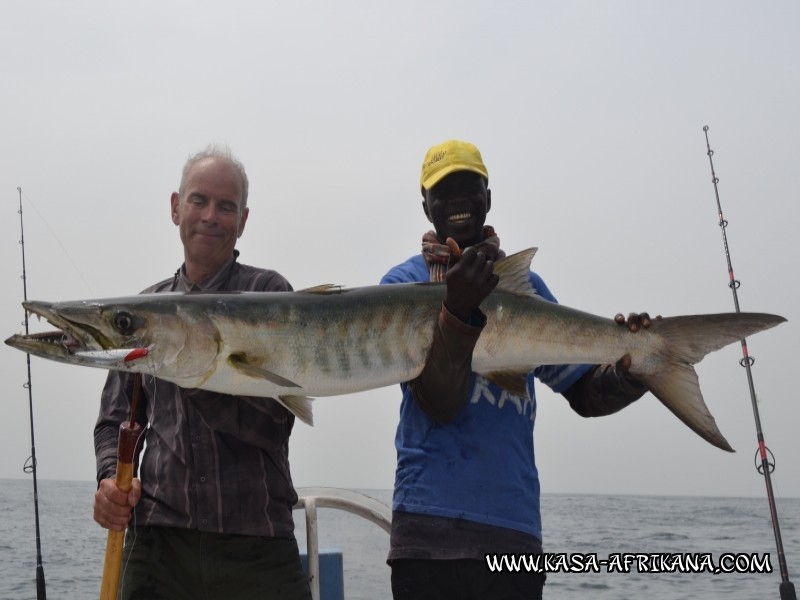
[112, 506]
[469, 282]
[634, 322]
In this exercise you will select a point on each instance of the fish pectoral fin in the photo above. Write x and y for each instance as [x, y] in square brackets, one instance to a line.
[241, 364]
[299, 406]
[511, 381]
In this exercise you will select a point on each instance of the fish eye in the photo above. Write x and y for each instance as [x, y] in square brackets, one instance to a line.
[123, 322]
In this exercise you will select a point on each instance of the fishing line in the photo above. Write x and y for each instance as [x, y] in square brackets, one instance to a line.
[135, 520]
[30, 463]
[58, 241]
[766, 468]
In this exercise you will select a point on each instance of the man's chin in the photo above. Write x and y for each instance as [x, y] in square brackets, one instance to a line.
[464, 237]
[209, 251]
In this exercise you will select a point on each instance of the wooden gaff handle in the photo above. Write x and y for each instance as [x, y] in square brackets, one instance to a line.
[128, 437]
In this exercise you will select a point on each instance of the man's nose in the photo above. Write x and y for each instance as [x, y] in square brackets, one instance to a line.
[209, 213]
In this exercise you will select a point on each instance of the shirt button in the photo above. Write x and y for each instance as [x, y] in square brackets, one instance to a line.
[205, 521]
[203, 479]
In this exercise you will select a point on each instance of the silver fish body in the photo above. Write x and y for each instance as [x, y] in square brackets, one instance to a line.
[327, 341]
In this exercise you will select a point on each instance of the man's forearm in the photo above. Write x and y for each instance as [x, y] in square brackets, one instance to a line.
[441, 389]
[603, 391]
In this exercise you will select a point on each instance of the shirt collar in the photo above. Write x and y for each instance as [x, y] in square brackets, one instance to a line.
[214, 282]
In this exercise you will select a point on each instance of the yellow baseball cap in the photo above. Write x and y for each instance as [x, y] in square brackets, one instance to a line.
[449, 157]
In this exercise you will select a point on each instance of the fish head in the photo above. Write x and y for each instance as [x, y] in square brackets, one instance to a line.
[148, 333]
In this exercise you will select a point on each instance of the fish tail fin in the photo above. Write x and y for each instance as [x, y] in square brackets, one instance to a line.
[678, 388]
[687, 340]
[299, 406]
[691, 337]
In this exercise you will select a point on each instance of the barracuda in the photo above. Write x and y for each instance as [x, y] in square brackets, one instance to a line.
[328, 341]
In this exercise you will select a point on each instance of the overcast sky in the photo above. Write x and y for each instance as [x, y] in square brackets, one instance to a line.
[590, 119]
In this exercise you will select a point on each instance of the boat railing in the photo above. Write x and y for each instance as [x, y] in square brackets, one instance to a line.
[312, 498]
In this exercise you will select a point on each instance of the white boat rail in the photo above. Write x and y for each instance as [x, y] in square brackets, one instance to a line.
[312, 498]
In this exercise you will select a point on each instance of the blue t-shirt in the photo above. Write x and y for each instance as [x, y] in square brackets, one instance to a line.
[480, 466]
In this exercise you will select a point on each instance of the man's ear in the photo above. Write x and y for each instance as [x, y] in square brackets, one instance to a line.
[426, 211]
[488, 200]
[174, 201]
[243, 221]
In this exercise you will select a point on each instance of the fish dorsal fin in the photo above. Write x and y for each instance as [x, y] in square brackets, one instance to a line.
[514, 272]
[240, 363]
[511, 381]
[325, 288]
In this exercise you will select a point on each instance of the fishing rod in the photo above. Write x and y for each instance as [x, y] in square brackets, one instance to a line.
[30, 464]
[766, 467]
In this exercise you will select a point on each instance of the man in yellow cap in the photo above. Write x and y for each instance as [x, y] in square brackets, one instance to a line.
[466, 483]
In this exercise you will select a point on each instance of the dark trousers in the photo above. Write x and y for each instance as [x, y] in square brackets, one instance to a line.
[174, 564]
[461, 580]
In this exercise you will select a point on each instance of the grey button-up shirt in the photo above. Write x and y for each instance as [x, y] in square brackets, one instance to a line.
[211, 462]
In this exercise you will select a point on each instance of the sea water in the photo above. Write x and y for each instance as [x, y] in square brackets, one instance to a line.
[576, 526]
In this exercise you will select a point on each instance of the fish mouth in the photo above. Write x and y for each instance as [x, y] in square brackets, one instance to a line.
[66, 341]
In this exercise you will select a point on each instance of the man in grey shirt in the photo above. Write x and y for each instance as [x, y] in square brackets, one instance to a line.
[212, 506]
